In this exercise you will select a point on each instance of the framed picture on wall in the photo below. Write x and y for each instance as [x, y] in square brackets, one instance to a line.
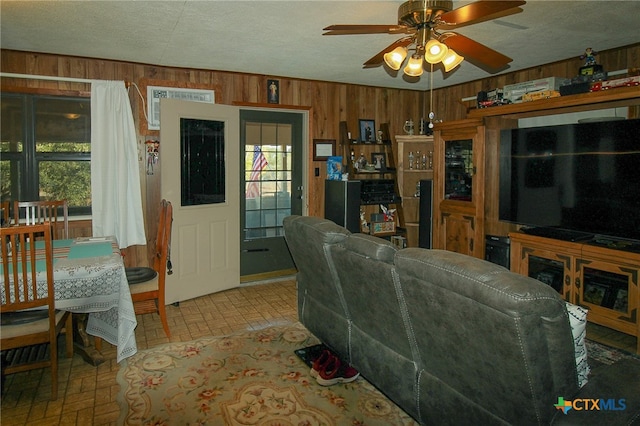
[323, 149]
[367, 131]
[273, 91]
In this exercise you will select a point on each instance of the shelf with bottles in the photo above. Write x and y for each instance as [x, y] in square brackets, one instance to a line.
[415, 163]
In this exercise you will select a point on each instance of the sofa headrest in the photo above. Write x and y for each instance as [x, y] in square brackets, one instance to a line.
[325, 229]
[371, 247]
[476, 279]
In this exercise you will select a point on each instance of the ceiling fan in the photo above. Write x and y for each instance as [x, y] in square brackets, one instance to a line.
[427, 24]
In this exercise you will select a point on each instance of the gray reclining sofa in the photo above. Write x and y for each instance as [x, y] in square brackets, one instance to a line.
[449, 338]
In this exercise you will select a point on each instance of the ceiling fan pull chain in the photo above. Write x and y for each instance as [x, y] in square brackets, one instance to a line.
[432, 115]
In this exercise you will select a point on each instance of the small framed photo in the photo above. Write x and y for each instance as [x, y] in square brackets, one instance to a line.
[273, 91]
[323, 149]
[367, 131]
[379, 161]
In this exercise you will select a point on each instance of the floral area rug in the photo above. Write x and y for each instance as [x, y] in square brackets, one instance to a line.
[249, 378]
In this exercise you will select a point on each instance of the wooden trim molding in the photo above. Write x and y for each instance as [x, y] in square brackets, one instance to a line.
[271, 106]
[42, 91]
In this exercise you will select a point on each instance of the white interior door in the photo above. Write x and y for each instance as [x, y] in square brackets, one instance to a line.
[200, 168]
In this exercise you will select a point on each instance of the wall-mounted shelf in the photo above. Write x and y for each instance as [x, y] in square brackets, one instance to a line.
[344, 203]
[624, 96]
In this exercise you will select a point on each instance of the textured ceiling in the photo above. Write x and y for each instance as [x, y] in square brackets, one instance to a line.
[284, 38]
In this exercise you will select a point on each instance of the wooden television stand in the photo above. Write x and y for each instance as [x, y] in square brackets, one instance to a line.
[595, 274]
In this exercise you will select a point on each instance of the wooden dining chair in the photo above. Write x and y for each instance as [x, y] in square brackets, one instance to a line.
[147, 285]
[4, 213]
[24, 335]
[54, 211]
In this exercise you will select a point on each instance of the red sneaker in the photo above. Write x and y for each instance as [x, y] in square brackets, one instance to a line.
[336, 372]
[320, 363]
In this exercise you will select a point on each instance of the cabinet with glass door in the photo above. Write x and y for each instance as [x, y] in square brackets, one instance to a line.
[607, 283]
[549, 261]
[597, 277]
[459, 187]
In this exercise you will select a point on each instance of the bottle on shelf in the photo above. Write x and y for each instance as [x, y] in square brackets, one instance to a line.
[411, 157]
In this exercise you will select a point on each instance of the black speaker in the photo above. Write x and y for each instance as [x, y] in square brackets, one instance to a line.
[342, 203]
[426, 214]
[497, 250]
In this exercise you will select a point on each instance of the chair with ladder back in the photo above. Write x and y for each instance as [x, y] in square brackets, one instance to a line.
[147, 284]
[35, 212]
[29, 321]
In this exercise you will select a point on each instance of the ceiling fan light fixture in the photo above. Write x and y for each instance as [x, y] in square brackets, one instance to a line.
[427, 25]
[395, 58]
[434, 51]
[414, 66]
[451, 60]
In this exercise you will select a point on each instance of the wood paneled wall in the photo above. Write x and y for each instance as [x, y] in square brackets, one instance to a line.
[327, 103]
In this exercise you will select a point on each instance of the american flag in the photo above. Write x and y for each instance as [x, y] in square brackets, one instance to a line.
[259, 163]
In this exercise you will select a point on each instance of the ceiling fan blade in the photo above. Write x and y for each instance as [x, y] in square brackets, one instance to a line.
[365, 29]
[495, 16]
[379, 57]
[477, 11]
[477, 53]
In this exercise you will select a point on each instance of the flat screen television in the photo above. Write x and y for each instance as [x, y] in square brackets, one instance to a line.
[580, 178]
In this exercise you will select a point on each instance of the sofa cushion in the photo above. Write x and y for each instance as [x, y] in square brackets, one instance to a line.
[371, 247]
[578, 321]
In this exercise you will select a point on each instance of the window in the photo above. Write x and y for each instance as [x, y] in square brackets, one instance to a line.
[268, 161]
[203, 163]
[45, 150]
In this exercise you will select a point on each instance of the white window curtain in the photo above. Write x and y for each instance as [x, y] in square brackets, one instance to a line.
[116, 203]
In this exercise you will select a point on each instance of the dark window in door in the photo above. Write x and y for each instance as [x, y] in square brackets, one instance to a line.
[202, 167]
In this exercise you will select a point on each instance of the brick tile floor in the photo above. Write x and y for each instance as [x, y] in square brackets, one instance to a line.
[87, 394]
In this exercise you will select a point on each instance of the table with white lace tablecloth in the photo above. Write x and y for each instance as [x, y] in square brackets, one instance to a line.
[89, 277]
